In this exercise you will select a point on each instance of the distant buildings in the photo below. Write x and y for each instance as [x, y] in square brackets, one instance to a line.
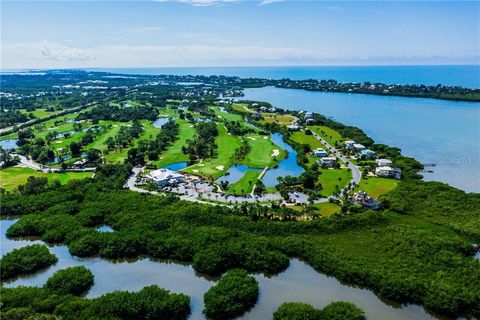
[164, 177]
[359, 147]
[361, 198]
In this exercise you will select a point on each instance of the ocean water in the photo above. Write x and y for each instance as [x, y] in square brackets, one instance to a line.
[445, 133]
[455, 75]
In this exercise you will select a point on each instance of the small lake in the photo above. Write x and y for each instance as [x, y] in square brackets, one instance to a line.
[235, 173]
[9, 144]
[446, 133]
[299, 282]
[104, 228]
[160, 122]
[177, 166]
[287, 167]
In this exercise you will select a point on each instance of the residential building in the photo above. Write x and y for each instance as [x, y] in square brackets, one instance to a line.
[361, 198]
[383, 163]
[359, 147]
[367, 154]
[310, 121]
[388, 172]
[308, 115]
[327, 162]
[349, 144]
[321, 153]
[293, 127]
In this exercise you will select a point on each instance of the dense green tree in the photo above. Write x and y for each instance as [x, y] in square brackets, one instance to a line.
[73, 280]
[25, 260]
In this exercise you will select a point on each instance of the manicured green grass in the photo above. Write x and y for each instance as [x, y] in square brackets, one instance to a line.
[99, 142]
[302, 138]
[261, 153]
[226, 115]
[333, 180]
[216, 167]
[330, 135]
[174, 153]
[245, 184]
[326, 209]
[281, 119]
[12, 177]
[39, 113]
[376, 186]
[241, 107]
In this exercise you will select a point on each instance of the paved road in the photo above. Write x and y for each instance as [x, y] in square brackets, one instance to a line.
[356, 175]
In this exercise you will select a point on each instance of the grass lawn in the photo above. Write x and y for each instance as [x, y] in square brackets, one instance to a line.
[39, 113]
[261, 154]
[241, 107]
[302, 138]
[12, 177]
[326, 209]
[245, 184]
[226, 115]
[283, 119]
[216, 167]
[174, 153]
[333, 180]
[330, 135]
[375, 186]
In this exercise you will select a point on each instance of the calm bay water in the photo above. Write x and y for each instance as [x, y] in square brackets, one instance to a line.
[299, 282]
[460, 75]
[446, 133]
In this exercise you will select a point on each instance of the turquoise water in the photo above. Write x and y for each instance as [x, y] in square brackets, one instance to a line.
[176, 166]
[461, 75]
[446, 133]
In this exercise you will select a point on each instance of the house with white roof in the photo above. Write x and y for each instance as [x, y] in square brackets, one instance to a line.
[349, 144]
[383, 163]
[320, 153]
[359, 147]
[388, 172]
[327, 162]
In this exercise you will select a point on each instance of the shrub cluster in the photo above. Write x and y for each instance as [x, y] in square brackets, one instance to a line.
[235, 293]
[25, 260]
[73, 280]
[339, 310]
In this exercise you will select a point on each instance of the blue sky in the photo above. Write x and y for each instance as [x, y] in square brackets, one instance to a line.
[64, 34]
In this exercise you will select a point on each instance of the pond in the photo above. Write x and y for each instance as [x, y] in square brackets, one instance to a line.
[9, 144]
[177, 166]
[287, 167]
[104, 228]
[299, 282]
[160, 122]
[235, 173]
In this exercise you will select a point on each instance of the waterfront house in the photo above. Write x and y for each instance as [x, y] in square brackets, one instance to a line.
[349, 144]
[320, 153]
[327, 162]
[293, 127]
[383, 163]
[164, 177]
[367, 154]
[363, 199]
[388, 172]
[359, 147]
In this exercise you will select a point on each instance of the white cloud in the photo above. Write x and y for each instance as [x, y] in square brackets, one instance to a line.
[62, 53]
[265, 2]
